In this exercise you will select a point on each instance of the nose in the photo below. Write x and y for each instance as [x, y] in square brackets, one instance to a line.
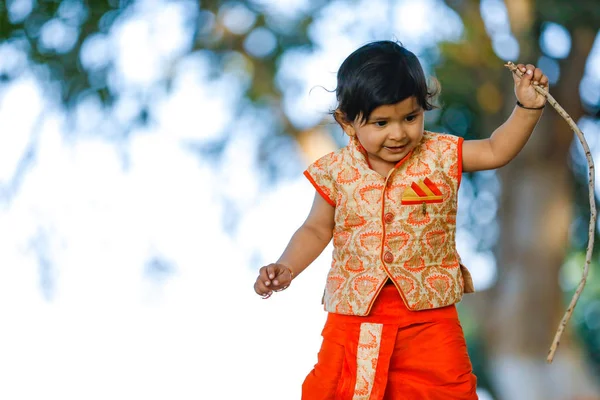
[396, 132]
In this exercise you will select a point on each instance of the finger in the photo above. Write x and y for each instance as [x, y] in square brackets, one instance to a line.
[285, 276]
[283, 280]
[527, 77]
[261, 289]
[258, 287]
[544, 81]
[279, 270]
[281, 286]
[516, 77]
[264, 275]
[272, 271]
[537, 76]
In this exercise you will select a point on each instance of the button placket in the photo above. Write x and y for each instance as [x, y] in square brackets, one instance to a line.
[388, 257]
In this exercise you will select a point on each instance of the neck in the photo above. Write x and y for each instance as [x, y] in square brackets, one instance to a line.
[381, 167]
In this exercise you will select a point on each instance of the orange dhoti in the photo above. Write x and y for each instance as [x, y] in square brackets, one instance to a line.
[392, 354]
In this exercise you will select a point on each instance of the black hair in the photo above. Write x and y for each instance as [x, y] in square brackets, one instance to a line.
[380, 73]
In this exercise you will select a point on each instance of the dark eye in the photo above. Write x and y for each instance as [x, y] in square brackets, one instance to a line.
[381, 123]
[411, 118]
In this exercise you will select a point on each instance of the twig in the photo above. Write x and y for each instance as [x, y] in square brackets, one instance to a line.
[592, 226]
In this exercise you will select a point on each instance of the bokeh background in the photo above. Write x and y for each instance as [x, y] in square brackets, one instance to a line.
[151, 158]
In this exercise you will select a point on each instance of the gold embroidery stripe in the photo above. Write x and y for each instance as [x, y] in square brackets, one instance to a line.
[425, 188]
[367, 355]
[417, 198]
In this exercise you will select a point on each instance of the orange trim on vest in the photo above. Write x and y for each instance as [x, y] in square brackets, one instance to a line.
[389, 274]
[318, 189]
[460, 160]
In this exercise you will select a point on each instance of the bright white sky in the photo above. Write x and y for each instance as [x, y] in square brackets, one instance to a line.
[90, 215]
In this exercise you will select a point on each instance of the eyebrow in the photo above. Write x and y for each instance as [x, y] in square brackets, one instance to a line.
[377, 118]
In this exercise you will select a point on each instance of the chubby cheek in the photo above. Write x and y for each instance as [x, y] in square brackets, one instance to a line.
[371, 140]
[416, 139]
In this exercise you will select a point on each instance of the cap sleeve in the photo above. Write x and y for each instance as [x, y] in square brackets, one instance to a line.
[320, 175]
[445, 144]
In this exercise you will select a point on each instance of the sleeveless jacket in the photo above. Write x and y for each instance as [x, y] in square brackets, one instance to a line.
[401, 227]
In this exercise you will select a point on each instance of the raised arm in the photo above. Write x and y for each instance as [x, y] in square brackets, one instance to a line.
[510, 137]
[304, 247]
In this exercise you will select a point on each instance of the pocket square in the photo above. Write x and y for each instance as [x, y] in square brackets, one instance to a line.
[424, 191]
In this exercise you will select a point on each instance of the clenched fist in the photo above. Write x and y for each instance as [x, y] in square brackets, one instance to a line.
[273, 278]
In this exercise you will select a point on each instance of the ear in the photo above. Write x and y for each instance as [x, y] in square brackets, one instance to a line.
[346, 125]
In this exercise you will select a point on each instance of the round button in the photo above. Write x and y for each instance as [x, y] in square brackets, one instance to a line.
[388, 257]
[389, 217]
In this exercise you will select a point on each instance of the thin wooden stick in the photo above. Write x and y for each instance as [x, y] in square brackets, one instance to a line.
[592, 226]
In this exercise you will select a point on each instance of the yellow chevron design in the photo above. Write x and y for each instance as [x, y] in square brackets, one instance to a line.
[410, 194]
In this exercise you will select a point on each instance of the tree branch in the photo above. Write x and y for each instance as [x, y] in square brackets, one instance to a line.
[592, 225]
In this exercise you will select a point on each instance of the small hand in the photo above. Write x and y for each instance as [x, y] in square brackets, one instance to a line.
[524, 90]
[272, 278]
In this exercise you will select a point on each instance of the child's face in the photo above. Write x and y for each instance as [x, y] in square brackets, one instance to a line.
[391, 132]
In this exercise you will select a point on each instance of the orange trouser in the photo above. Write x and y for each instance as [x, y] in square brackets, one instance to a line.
[392, 354]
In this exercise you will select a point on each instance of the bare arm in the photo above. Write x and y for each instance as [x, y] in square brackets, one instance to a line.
[510, 138]
[311, 238]
[304, 247]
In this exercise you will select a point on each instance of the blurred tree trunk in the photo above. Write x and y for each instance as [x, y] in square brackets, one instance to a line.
[525, 307]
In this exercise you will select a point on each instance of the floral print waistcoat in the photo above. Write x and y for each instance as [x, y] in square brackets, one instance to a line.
[401, 227]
